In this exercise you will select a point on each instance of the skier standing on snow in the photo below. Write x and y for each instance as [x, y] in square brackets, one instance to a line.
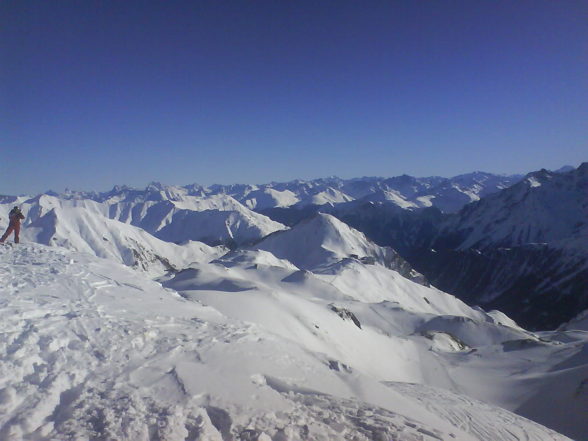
[15, 216]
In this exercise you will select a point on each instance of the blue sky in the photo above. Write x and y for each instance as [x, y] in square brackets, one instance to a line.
[98, 93]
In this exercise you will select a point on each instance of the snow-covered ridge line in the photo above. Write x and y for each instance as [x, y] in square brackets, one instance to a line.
[448, 194]
[152, 235]
[545, 207]
[323, 240]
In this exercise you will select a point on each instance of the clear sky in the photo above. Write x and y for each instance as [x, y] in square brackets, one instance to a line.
[97, 93]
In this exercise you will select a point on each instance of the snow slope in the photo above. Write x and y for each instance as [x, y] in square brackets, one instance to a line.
[94, 350]
[369, 320]
[523, 250]
[216, 219]
[324, 240]
[83, 226]
[545, 207]
[269, 198]
[579, 322]
[121, 230]
[319, 240]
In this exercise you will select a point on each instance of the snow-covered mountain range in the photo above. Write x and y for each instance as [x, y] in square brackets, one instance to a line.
[544, 207]
[118, 321]
[528, 241]
[447, 194]
[523, 250]
[218, 215]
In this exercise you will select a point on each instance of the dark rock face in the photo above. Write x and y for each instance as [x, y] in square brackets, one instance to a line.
[345, 314]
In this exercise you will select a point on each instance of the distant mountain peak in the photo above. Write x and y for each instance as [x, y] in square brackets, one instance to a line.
[323, 242]
[156, 186]
[565, 169]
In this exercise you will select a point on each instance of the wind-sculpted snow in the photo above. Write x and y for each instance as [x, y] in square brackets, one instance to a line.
[91, 350]
[370, 320]
[469, 414]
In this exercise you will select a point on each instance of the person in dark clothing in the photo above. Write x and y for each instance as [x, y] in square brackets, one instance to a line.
[15, 216]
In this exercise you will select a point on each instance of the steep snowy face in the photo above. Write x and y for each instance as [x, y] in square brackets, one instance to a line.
[412, 187]
[327, 196]
[217, 227]
[323, 240]
[82, 225]
[217, 219]
[389, 197]
[546, 207]
[269, 198]
[523, 250]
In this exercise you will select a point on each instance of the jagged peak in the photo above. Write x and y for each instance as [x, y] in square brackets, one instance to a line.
[536, 178]
[120, 188]
[156, 186]
[565, 169]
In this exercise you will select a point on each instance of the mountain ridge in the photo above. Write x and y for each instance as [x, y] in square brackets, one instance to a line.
[449, 194]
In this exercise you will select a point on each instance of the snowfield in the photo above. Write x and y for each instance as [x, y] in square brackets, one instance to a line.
[251, 347]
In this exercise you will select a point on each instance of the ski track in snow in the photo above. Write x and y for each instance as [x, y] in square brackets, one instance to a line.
[467, 414]
[64, 348]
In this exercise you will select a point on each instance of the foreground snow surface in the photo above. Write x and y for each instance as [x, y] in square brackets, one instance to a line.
[93, 350]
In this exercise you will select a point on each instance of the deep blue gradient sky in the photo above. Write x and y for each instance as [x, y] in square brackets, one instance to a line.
[97, 93]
